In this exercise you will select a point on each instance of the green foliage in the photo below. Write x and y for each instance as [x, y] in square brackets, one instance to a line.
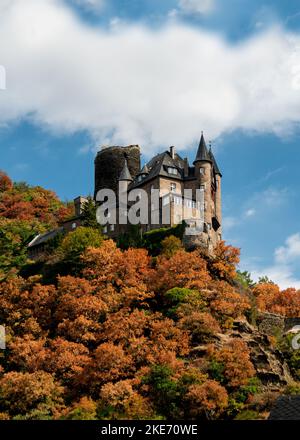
[216, 370]
[76, 242]
[163, 388]
[131, 239]
[15, 236]
[265, 280]
[244, 278]
[253, 387]
[88, 214]
[153, 239]
[292, 356]
[170, 245]
[248, 415]
[178, 295]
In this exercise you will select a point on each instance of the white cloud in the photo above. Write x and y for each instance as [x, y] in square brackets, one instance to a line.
[197, 6]
[290, 252]
[136, 85]
[250, 212]
[286, 263]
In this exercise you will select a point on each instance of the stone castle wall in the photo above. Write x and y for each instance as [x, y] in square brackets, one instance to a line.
[109, 163]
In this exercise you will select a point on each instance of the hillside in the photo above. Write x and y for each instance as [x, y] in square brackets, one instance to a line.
[98, 332]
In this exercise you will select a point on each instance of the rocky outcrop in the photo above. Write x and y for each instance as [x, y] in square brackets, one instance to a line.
[269, 363]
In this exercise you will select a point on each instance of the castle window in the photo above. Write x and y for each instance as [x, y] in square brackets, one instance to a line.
[172, 170]
[173, 187]
[202, 171]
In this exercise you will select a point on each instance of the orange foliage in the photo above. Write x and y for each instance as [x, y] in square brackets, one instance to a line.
[208, 399]
[183, 269]
[224, 263]
[271, 299]
[225, 301]
[5, 182]
[235, 357]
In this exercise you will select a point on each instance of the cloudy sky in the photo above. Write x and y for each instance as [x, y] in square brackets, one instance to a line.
[86, 73]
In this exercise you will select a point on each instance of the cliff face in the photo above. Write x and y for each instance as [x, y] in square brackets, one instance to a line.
[109, 163]
[269, 362]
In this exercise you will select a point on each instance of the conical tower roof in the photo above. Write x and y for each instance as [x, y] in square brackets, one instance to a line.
[144, 170]
[125, 173]
[202, 153]
[215, 165]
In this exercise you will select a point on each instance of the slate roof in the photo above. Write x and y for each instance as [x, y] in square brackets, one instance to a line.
[202, 152]
[125, 173]
[286, 408]
[43, 238]
[158, 166]
[215, 165]
[144, 170]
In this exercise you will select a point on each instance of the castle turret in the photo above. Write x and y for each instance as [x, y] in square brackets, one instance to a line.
[203, 172]
[125, 178]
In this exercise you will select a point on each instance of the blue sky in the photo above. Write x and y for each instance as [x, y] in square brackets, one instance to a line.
[85, 73]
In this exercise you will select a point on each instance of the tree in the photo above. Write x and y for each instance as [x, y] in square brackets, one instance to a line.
[223, 264]
[201, 325]
[76, 242]
[207, 400]
[31, 395]
[244, 278]
[5, 182]
[88, 214]
[85, 409]
[234, 360]
[170, 245]
[183, 269]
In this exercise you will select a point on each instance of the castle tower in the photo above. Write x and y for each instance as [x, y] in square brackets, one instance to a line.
[218, 194]
[203, 173]
[109, 163]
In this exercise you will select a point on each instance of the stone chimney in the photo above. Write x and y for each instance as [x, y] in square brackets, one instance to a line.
[78, 204]
[186, 167]
[172, 152]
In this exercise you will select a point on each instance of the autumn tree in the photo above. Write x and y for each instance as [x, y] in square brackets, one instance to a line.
[31, 395]
[170, 245]
[222, 264]
[5, 182]
[231, 364]
[207, 400]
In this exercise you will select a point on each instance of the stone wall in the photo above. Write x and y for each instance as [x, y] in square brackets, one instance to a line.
[272, 324]
[109, 163]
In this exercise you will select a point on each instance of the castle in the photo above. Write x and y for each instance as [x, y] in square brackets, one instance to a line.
[171, 176]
